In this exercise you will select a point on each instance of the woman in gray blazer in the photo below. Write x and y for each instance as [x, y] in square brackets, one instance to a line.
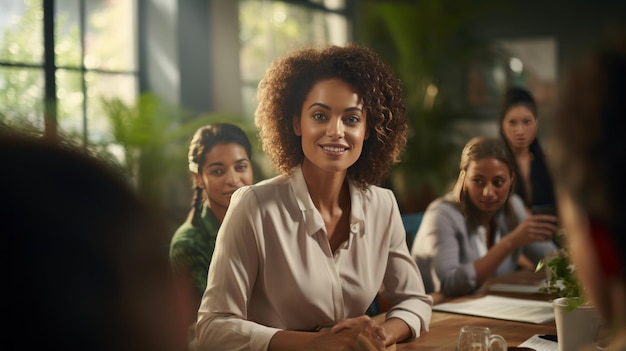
[480, 228]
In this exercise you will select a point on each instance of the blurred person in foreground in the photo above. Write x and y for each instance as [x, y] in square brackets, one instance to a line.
[588, 164]
[83, 269]
[480, 228]
[300, 257]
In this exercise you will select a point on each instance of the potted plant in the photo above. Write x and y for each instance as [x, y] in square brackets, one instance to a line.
[577, 321]
[561, 280]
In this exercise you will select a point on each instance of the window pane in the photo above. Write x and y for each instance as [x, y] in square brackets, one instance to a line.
[269, 29]
[110, 38]
[21, 96]
[106, 86]
[71, 118]
[109, 34]
[67, 48]
[70, 103]
[21, 31]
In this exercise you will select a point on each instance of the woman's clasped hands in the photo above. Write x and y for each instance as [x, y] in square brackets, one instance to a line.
[359, 334]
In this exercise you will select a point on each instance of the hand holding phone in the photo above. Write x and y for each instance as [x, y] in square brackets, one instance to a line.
[549, 214]
[543, 209]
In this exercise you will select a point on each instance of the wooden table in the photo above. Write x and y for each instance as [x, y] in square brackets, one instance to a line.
[444, 327]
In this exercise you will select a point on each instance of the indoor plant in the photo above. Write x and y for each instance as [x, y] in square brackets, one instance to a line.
[577, 322]
[561, 280]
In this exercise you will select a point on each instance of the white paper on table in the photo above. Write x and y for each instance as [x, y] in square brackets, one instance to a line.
[518, 288]
[539, 344]
[520, 310]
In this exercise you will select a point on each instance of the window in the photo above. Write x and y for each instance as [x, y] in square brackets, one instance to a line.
[94, 58]
[269, 29]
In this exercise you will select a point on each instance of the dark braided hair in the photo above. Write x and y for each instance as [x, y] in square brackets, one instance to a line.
[204, 139]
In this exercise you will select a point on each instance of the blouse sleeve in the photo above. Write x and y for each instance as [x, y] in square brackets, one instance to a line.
[443, 243]
[232, 274]
[403, 285]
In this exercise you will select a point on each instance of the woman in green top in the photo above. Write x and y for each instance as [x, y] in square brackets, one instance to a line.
[219, 161]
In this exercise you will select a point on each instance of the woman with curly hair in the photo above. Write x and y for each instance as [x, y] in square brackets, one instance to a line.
[300, 257]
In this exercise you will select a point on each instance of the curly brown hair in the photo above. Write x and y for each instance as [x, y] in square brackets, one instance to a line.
[286, 84]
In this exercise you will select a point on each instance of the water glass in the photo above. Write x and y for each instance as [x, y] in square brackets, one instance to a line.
[475, 338]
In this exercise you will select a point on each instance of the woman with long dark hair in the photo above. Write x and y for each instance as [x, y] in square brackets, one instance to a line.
[219, 162]
[481, 227]
[519, 124]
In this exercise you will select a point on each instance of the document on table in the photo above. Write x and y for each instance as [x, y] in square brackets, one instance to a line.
[539, 344]
[520, 310]
[518, 288]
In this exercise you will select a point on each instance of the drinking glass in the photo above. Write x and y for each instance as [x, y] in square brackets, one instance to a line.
[474, 338]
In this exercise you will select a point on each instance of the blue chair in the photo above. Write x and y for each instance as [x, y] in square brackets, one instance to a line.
[411, 223]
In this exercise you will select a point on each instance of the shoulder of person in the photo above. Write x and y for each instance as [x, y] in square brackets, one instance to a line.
[185, 232]
[445, 203]
[377, 192]
[443, 211]
[268, 190]
[516, 201]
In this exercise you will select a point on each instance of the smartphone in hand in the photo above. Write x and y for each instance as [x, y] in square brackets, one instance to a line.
[543, 209]
[547, 210]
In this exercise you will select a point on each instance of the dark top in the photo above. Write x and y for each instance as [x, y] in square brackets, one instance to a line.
[191, 250]
[543, 189]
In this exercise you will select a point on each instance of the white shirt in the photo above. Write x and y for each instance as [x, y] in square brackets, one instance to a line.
[273, 267]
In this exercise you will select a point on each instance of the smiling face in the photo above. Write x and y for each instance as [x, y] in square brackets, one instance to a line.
[519, 126]
[332, 125]
[226, 168]
[488, 184]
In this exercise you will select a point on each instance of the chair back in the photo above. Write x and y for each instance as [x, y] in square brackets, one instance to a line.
[411, 223]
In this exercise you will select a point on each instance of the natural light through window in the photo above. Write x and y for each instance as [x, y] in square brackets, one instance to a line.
[271, 28]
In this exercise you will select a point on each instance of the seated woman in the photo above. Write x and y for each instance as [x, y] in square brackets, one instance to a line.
[480, 228]
[519, 124]
[219, 162]
[308, 250]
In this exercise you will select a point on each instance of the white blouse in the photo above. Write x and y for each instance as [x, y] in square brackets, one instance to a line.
[273, 267]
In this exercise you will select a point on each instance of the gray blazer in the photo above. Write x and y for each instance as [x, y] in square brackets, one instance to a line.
[445, 248]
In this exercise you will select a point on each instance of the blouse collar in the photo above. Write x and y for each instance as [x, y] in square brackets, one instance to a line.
[313, 219]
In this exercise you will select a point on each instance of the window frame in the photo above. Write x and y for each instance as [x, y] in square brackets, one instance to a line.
[50, 69]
